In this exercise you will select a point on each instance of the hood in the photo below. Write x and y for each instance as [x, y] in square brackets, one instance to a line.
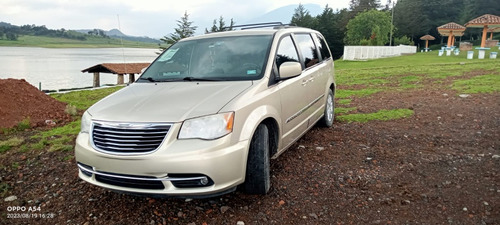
[166, 102]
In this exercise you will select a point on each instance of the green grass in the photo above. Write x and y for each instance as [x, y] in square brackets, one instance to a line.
[84, 99]
[418, 59]
[480, 84]
[9, 143]
[344, 101]
[382, 115]
[91, 42]
[21, 126]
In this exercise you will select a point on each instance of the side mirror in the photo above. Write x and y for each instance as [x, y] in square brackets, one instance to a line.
[290, 69]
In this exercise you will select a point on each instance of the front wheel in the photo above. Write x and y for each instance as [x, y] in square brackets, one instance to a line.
[329, 114]
[257, 179]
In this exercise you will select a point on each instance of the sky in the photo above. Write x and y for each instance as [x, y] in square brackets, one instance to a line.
[153, 18]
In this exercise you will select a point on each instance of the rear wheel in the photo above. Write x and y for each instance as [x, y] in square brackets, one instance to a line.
[329, 114]
[257, 179]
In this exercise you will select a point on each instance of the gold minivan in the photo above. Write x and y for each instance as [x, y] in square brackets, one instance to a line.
[209, 113]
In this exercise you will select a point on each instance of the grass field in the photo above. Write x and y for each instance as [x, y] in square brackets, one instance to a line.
[360, 79]
[91, 42]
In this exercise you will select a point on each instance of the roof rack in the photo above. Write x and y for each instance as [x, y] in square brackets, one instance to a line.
[275, 25]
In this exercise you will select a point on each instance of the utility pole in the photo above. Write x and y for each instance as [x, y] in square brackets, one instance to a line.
[392, 22]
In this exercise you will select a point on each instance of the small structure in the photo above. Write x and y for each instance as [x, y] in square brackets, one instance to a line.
[486, 22]
[427, 38]
[451, 30]
[116, 68]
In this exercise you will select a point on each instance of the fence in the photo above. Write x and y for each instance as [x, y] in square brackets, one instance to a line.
[375, 52]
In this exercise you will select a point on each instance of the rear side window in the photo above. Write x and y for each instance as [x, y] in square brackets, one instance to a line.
[323, 48]
[308, 49]
[286, 52]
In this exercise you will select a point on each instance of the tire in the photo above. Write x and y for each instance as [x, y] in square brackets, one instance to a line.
[257, 178]
[329, 114]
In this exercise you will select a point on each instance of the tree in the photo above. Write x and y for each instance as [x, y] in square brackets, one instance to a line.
[358, 6]
[184, 29]
[372, 25]
[302, 18]
[222, 26]
[328, 24]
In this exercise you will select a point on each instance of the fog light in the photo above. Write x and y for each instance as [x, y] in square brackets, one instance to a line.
[204, 181]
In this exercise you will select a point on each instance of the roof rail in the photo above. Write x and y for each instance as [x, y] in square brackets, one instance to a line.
[260, 25]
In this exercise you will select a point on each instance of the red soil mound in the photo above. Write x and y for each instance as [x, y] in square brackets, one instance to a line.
[20, 100]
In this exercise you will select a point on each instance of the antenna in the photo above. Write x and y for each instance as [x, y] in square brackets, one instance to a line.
[121, 42]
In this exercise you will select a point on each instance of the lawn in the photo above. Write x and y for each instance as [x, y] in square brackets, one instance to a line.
[91, 42]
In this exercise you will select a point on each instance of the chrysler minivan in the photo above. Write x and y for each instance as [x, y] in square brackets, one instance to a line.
[209, 114]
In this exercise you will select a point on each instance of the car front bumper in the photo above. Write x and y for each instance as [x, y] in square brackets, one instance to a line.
[216, 165]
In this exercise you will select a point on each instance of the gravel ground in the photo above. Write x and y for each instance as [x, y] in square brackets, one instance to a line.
[440, 166]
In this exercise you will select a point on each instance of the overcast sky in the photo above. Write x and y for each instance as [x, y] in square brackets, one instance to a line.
[153, 18]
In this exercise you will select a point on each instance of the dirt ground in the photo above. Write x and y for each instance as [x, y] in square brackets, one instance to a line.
[440, 166]
[20, 100]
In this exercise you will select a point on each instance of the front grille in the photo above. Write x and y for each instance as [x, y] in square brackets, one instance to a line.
[128, 138]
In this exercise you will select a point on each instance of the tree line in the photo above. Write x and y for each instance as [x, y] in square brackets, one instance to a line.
[369, 22]
[11, 32]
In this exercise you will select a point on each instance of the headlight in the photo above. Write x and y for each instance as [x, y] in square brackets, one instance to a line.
[86, 121]
[208, 127]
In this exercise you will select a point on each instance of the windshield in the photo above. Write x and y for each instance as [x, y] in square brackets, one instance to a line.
[211, 59]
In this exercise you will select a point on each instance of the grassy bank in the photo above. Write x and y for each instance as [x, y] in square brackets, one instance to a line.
[91, 42]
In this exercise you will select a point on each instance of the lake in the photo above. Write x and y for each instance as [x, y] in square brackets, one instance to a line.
[60, 68]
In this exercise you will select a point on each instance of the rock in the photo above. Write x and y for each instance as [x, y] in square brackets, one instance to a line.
[313, 215]
[10, 198]
[486, 203]
[464, 209]
[188, 199]
[240, 223]
[445, 94]
[180, 214]
[281, 202]
[224, 209]
[495, 157]
[464, 96]
[405, 202]
[193, 223]
[320, 148]
[301, 147]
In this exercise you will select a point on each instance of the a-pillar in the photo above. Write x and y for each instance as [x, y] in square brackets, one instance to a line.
[131, 78]
[119, 79]
[97, 82]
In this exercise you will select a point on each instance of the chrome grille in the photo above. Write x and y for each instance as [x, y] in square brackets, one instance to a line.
[128, 138]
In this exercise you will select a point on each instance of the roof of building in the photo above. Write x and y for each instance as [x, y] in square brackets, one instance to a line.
[427, 37]
[117, 68]
[486, 19]
[451, 26]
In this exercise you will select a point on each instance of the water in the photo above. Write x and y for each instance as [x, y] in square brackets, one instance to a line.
[60, 68]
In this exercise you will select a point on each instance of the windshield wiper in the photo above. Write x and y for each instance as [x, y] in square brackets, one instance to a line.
[150, 79]
[198, 79]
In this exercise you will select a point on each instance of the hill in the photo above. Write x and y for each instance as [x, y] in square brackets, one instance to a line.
[284, 14]
[115, 33]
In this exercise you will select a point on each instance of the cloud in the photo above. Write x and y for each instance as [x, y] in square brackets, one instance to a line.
[154, 18]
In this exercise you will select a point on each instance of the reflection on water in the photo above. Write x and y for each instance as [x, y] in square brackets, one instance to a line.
[58, 68]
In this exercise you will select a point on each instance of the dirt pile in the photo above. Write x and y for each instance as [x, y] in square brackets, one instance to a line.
[20, 100]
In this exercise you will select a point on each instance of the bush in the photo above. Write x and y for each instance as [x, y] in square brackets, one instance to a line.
[403, 41]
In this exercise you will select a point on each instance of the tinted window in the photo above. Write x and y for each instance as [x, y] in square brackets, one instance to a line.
[225, 58]
[308, 49]
[286, 52]
[323, 48]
